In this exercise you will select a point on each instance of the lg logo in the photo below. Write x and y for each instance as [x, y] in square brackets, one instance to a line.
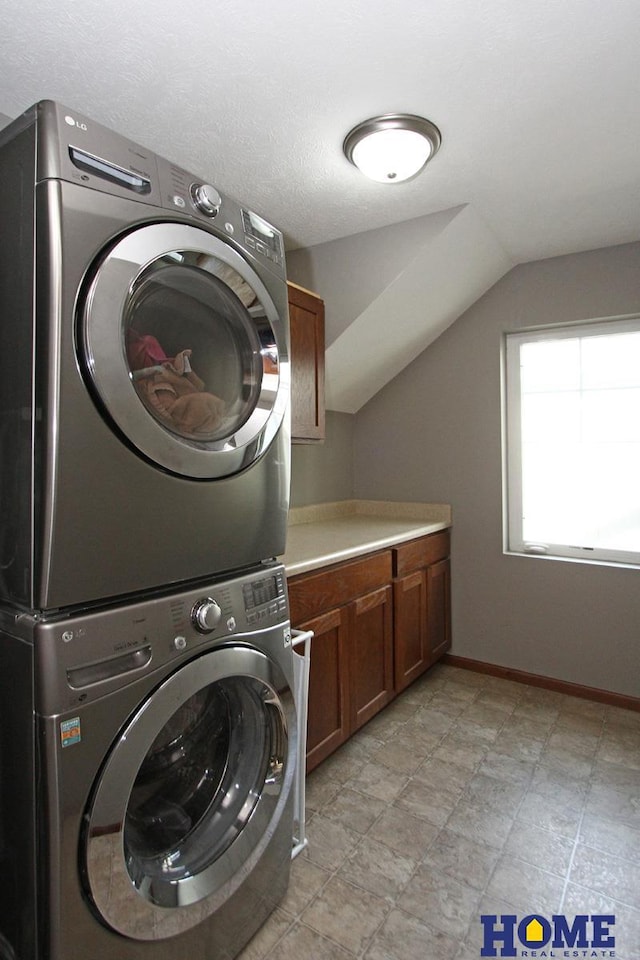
[75, 123]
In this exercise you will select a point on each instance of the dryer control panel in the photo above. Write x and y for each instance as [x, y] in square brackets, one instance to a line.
[77, 149]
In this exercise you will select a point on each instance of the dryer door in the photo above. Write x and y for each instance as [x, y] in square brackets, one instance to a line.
[191, 794]
[185, 350]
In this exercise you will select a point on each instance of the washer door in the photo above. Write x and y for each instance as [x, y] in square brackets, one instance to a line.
[185, 350]
[190, 794]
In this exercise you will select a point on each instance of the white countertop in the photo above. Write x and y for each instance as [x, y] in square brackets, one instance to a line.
[328, 533]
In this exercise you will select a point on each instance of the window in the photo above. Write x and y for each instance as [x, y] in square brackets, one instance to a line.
[573, 441]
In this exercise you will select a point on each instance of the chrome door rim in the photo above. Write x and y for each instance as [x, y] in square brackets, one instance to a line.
[187, 902]
[105, 359]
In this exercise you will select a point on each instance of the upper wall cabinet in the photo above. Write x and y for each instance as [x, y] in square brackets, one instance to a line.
[306, 314]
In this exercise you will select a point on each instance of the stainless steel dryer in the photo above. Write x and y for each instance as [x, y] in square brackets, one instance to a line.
[144, 425]
[148, 782]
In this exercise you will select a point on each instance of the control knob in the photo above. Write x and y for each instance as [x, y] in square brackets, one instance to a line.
[206, 198]
[206, 615]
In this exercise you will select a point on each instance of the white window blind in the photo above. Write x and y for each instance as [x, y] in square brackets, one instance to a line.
[573, 441]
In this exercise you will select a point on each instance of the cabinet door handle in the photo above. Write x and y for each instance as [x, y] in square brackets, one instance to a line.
[411, 581]
[372, 600]
[324, 623]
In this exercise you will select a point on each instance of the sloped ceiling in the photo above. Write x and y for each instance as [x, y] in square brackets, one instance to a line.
[391, 292]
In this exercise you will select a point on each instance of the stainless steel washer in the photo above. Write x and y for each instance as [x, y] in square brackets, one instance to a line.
[151, 795]
[144, 412]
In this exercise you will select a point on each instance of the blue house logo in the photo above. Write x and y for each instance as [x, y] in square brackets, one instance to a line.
[537, 936]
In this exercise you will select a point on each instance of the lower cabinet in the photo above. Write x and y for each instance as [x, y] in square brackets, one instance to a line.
[349, 608]
[422, 606]
[328, 723]
[378, 623]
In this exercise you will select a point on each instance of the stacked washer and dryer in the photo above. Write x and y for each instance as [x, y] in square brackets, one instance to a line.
[148, 730]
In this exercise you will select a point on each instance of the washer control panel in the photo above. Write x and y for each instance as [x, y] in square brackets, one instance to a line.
[206, 614]
[265, 598]
[85, 656]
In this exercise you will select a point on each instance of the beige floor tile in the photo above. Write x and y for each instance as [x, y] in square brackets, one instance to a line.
[611, 876]
[378, 869]
[479, 823]
[440, 900]
[584, 708]
[330, 843]
[400, 759]
[526, 887]
[408, 835]
[510, 743]
[572, 742]
[626, 927]
[481, 732]
[611, 836]
[618, 717]
[507, 768]
[403, 937]
[445, 703]
[579, 723]
[500, 699]
[566, 764]
[319, 790]
[434, 721]
[458, 749]
[306, 881]
[353, 810]
[346, 914]
[462, 858]
[486, 715]
[524, 726]
[537, 712]
[266, 937]
[382, 728]
[615, 803]
[443, 774]
[416, 738]
[500, 795]
[621, 747]
[551, 780]
[541, 848]
[469, 795]
[301, 941]
[431, 803]
[551, 814]
[376, 780]
[343, 764]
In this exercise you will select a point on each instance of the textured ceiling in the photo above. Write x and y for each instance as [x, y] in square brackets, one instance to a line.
[537, 103]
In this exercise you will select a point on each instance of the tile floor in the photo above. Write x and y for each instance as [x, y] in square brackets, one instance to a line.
[467, 795]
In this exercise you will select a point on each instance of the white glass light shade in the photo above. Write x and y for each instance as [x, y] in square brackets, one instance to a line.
[393, 148]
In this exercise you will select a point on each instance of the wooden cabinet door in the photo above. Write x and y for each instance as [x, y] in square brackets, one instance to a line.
[306, 318]
[411, 632]
[328, 722]
[370, 655]
[439, 609]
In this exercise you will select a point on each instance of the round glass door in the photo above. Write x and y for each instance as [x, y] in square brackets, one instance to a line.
[186, 350]
[189, 794]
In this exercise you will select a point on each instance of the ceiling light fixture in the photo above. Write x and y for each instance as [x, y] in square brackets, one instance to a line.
[392, 148]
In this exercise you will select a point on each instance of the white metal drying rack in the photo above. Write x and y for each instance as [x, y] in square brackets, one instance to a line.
[301, 663]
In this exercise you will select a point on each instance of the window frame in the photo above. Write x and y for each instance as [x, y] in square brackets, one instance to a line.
[513, 539]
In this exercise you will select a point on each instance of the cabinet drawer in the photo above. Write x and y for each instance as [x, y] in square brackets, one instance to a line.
[312, 593]
[415, 554]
